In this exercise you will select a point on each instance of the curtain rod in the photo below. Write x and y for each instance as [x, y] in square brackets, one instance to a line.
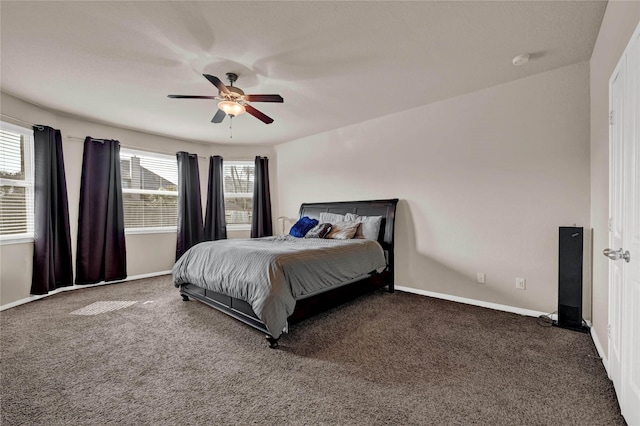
[134, 147]
[38, 126]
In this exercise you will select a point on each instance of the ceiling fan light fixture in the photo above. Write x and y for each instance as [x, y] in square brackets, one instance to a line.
[232, 108]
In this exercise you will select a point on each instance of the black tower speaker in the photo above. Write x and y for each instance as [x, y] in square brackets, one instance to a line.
[570, 279]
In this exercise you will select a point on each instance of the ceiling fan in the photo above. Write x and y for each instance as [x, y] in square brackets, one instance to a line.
[233, 101]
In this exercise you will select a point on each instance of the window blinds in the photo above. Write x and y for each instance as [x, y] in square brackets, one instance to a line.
[149, 190]
[16, 182]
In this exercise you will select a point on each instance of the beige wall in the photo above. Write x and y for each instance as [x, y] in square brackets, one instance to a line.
[484, 180]
[618, 24]
[146, 253]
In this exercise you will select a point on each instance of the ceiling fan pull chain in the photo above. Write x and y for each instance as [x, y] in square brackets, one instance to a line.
[230, 127]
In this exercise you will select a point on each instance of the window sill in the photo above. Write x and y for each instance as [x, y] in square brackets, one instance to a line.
[137, 231]
[235, 227]
[15, 240]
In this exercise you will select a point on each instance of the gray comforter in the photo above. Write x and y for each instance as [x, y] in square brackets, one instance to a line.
[272, 273]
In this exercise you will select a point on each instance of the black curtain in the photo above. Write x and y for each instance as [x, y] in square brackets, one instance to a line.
[190, 230]
[215, 224]
[52, 263]
[261, 220]
[101, 253]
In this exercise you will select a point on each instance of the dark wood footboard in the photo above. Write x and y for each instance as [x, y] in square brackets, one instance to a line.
[237, 308]
[305, 308]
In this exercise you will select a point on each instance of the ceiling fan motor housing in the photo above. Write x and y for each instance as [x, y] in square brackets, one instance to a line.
[233, 77]
[235, 92]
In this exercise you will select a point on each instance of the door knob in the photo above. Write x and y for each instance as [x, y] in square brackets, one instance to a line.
[617, 254]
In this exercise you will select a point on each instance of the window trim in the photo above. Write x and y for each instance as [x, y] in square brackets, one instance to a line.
[28, 183]
[239, 227]
[150, 229]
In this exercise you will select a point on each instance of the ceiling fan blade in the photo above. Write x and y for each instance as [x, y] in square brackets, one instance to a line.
[257, 114]
[190, 97]
[217, 82]
[220, 114]
[264, 98]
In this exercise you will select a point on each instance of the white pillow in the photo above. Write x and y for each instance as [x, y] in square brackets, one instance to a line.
[326, 217]
[369, 225]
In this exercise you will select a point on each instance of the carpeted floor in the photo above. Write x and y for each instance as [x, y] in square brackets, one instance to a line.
[384, 359]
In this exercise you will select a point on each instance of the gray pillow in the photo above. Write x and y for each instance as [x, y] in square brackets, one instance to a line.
[369, 225]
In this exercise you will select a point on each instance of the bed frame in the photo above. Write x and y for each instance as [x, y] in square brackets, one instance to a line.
[307, 307]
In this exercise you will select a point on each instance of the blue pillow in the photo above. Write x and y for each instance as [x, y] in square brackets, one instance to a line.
[302, 226]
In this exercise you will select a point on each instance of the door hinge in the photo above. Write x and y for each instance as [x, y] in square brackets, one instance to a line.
[610, 224]
[609, 330]
[611, 118]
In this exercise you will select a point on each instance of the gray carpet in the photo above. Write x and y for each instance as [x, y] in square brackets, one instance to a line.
[396, 359]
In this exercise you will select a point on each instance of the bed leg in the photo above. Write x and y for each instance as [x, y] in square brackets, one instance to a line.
[391, 288]
[185, 298]
[273, 342]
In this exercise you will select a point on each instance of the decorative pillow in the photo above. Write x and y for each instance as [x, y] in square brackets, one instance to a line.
[369, 225]
[302, 226]
[319, 231]
[343, 230]
[331, 217]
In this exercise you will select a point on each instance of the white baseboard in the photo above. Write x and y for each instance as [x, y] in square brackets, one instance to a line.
[474, 302]
[75, 287]
[600, 349]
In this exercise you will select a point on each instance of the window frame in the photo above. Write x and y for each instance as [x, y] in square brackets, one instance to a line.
[237, 226]
[28, 183]
[149, 229]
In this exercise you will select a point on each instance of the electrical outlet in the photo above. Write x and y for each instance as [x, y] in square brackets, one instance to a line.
[521, 283]
[480, 277]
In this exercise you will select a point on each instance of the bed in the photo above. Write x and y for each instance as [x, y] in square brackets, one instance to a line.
[291, 297]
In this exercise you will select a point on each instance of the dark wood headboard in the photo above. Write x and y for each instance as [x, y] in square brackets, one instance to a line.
[384, 208]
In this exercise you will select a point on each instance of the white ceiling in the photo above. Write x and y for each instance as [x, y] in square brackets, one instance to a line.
[335, 63]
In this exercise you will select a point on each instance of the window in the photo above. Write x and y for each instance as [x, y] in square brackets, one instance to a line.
[238, 193]
[149, 191]
[16, 183]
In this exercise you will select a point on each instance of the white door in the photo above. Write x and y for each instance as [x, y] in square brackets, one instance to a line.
[624, 232]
